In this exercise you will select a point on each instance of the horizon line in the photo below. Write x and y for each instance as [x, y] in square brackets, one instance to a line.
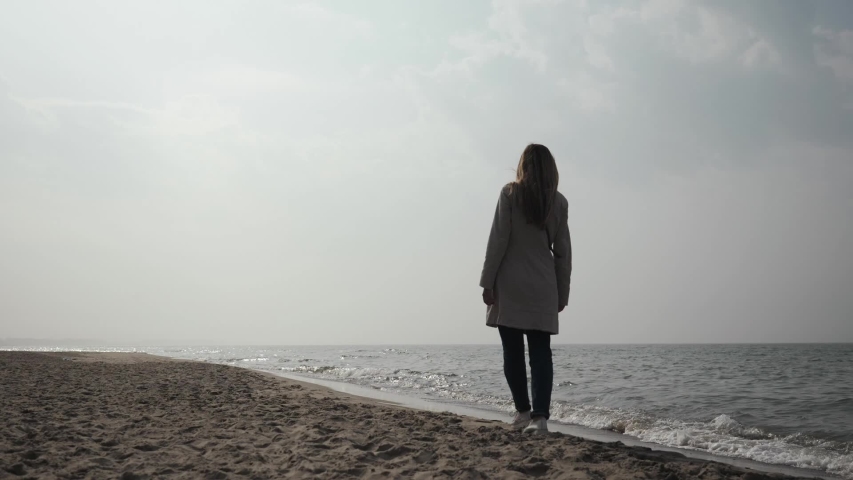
[7, 342]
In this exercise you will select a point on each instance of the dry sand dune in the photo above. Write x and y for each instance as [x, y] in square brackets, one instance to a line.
[134, 416]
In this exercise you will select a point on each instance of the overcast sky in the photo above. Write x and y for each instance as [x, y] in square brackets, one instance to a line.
[326, 172]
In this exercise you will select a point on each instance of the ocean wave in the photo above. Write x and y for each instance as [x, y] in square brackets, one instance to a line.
[445, 386]
[720, 436]
[235, 360]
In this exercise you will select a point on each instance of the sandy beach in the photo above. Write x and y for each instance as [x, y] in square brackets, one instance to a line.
[136, 416]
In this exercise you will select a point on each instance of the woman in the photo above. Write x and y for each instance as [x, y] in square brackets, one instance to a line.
[526, 278]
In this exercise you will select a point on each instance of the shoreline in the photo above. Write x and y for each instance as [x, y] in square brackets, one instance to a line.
[135, 416]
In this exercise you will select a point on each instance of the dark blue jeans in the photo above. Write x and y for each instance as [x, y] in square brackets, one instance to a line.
[541, 369]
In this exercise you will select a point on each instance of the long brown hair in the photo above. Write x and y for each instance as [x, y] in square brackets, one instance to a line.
[535, 186]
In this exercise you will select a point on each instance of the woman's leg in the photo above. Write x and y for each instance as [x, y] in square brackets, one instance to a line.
[541, 372]
[514, 368]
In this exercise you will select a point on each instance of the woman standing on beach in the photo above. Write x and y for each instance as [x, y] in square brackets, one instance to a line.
[526, 279]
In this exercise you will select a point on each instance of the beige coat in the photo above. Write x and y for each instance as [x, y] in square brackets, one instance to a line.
[530, 282]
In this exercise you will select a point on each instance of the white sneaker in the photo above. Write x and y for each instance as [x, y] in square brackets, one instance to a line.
[537, 426]
[520, 420]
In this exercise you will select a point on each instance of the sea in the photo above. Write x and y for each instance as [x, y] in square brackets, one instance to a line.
[779, 404]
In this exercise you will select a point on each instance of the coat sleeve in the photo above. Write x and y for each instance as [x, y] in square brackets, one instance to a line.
[498, 240]
[563, 258]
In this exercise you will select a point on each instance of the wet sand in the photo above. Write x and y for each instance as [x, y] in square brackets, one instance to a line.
[136, 416]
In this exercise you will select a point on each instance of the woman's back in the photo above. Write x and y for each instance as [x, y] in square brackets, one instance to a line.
[530, 281]
[531, 243]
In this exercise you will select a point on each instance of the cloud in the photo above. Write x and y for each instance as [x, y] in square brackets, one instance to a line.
[682, 83]
[693, 32]
[341, 22]
[679, 84]
[592, 52]
[589, 94]
[189, 115]
[834, 50]
[245, 79]
[507, 22]
[760, 54]
[16, 122]
[507, 35]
